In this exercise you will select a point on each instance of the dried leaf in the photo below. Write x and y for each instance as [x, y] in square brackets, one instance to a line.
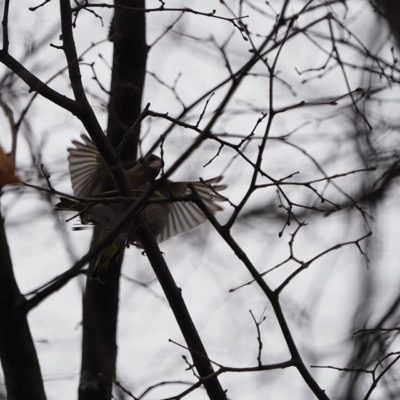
[7, 170]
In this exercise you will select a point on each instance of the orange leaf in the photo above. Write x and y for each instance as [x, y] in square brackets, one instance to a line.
[7, 170]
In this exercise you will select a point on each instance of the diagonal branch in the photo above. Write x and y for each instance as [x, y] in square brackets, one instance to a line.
[182, 316]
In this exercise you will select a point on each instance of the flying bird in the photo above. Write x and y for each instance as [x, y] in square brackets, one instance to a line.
[167, 213]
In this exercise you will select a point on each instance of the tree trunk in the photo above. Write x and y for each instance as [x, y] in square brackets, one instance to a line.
[390, 10]
[18, 356]
[100, 302]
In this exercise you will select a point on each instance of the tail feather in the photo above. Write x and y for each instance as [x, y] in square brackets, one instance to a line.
[107, 256]
[67, 204]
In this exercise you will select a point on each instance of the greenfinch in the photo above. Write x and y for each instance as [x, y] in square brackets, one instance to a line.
[166, 214]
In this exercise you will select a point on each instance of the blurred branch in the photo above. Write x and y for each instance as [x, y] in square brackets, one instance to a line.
[4, 24]
[17, 350]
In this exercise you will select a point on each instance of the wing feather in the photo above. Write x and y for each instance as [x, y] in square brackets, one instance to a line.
[84, 165]
[186, 215]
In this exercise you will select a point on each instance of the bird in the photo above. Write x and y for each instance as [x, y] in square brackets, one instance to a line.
[167, 214]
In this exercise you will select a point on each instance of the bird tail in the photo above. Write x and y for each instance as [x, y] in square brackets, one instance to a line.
[110, 254]
[67, 204]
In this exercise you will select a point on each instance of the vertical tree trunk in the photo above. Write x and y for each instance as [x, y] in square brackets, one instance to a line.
[100, 302]
[17, 351]
[390, 10]
[128, 32]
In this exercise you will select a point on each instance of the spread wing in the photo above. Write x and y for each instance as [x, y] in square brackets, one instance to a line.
[85, 167]
[88, 174]
[186, 215]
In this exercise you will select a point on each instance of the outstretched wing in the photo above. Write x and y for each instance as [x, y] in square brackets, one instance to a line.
[85, 167]
[186, 215]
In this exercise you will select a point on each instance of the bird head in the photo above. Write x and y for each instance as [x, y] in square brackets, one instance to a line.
[153, 163]
[145, 170]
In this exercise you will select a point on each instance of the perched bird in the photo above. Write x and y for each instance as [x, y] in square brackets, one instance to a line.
[164, 215]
